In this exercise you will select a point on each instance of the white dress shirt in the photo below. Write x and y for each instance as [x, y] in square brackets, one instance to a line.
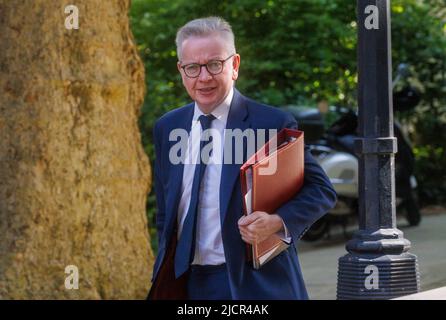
[209, 244]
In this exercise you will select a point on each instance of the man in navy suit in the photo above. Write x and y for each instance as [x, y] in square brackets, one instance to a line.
[202, 232]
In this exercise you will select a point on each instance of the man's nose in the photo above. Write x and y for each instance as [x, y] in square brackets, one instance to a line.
[204, 74]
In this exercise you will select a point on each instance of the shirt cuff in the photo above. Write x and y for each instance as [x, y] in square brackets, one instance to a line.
[284, 235]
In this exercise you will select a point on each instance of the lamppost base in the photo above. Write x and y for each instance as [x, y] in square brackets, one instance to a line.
[394, 276]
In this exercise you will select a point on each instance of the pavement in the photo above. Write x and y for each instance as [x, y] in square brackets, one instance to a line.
[434, 294]
[319, 260]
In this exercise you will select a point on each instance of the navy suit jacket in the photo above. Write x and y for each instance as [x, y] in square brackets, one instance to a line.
[280, 278]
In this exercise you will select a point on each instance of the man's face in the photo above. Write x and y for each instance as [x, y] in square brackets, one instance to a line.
[208, 90]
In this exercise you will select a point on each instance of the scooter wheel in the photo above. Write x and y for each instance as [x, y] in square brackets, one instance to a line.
[413, 214]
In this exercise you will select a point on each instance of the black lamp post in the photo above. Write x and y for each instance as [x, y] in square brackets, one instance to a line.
[378, 264]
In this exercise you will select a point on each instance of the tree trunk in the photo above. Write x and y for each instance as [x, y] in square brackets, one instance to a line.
[73, 174]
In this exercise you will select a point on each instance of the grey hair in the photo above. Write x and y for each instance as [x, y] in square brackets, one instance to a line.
[204, 27]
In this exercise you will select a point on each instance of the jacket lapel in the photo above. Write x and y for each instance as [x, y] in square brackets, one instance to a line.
[237, 119]
[176, 176]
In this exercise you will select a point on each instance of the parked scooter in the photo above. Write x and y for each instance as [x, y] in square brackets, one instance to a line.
[334, 150]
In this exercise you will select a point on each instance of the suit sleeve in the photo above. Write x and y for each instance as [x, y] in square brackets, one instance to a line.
[160, 203]
[315, 198]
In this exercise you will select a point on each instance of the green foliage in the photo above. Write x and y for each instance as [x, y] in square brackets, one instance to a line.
[419, 38]
[300, 52]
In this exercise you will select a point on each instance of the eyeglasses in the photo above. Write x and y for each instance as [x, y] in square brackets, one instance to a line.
[214, 67]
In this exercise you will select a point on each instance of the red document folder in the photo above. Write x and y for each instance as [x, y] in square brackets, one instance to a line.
[270, 178]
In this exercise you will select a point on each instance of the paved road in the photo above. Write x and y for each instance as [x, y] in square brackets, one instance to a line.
[319, 260]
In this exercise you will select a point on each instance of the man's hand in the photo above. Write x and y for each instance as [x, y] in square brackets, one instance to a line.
[258, 226]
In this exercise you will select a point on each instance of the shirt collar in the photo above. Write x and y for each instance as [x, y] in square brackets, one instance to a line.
[220, 112]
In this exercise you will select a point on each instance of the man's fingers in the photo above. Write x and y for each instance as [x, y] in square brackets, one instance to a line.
[250, 229]
[255, 227]
[245, 220]
[246, 233]
[249, 239]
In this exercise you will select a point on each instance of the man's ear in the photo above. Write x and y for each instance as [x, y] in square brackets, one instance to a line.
[179, 66]
[235, 66]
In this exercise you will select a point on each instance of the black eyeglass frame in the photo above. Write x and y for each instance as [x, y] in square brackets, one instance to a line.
[206, 65]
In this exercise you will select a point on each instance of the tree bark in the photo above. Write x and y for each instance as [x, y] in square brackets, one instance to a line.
[73, 174]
